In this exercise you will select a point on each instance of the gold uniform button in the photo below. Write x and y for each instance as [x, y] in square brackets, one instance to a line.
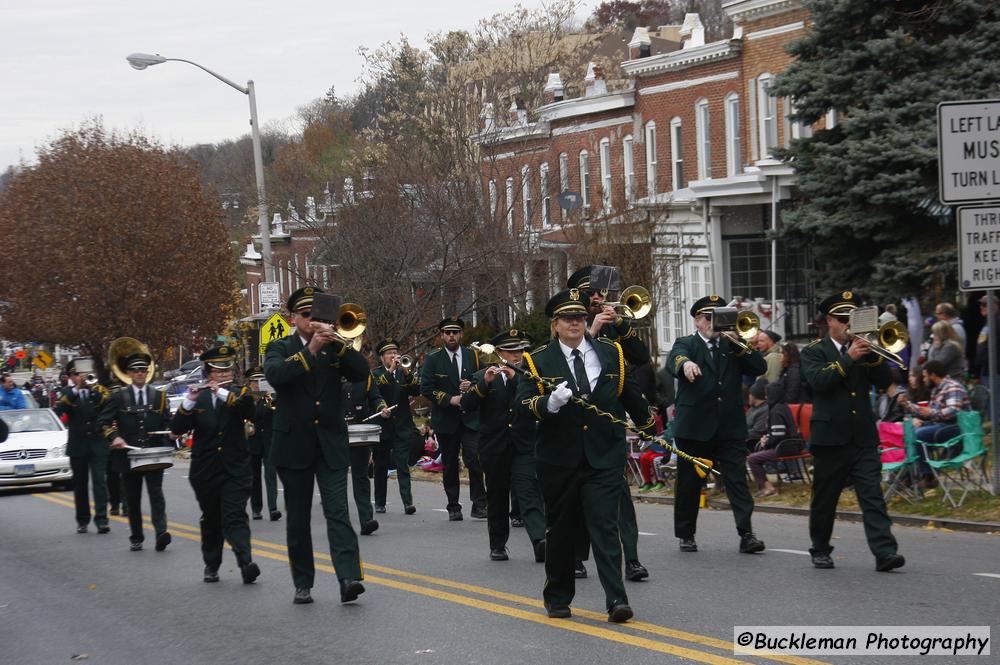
[220, 434]
[315, 422]
[317, 402]
[854, 412]
[853, 394]
[509, 425]
[720, 399]
[219, 449]
[584, 428]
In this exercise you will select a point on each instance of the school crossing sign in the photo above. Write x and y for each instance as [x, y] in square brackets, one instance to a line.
[274, 328]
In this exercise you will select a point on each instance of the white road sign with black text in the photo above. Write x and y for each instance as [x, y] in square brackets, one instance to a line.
[969, 151]
[978, 248]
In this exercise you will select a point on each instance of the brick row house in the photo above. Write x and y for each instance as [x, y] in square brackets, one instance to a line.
[686, 148]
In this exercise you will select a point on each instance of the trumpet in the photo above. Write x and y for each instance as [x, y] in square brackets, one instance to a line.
[635, 302]
[405, 362]
[885, 341]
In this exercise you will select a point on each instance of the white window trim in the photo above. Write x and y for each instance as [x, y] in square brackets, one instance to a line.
[526, 195]
[703, 133]
[676, 154]
[493, 199]
[764, 102]
[628, 167]
[585, 177]
[544, 194]
[832, 118]
[605, 154]
[752, 119]
[563, 178]
[733, 156]
[510, 205]
[650, 133]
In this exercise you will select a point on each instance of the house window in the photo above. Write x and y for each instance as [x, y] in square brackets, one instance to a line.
[585, 178]
[650, 158]
[510, 205]
[543, 188]
[676, 154]
[800, 130]
[832, 118]
[704, 147]
[563, 178]
[768, 114]
[606, 174]
[733, 157]
[526, 195]
[628, 162]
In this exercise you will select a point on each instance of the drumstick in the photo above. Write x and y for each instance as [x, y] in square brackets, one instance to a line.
[374, 415]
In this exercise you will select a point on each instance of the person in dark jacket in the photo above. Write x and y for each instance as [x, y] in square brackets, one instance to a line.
[781, 427]
[362, 399]
[259, 444]
[791, 376]
[396, 385]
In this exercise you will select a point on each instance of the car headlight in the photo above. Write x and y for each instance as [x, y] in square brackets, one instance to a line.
[58, 451]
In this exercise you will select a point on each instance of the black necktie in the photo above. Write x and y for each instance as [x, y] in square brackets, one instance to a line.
[580, 371]
[843, 349]
[139, 401]
[454, 362]
[713, 345]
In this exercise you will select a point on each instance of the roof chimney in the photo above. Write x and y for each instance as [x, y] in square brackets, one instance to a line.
[553, 90]
[640, 45]
[595, 84]
[692, 31]
[517, 113]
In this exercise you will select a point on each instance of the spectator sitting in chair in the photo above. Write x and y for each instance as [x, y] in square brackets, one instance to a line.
[781, 426]
[937, 422]
[757, 413]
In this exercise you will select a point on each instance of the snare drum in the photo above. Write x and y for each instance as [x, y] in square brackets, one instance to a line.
[363, 435]
[150, 459]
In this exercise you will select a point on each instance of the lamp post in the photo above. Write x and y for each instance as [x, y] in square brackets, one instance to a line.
[143, 60]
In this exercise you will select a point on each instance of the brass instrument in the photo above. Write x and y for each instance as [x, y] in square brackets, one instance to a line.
[351, 321]
[406, 362]
[635, 302]
[86, 367]
[739, 326]
[886, 340]
[122, 348]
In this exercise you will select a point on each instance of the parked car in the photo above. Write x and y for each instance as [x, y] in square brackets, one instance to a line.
[35, 449]
[184, 369]
[179, 384]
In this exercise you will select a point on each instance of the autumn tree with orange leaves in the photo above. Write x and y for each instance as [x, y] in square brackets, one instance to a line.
[112, 235]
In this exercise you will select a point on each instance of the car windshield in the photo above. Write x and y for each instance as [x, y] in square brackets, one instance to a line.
[30, 420]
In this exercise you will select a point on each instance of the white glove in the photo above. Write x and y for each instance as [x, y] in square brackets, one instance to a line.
[559, 397]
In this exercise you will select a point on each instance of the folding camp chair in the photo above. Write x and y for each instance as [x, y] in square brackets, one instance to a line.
[902, 478]
[964, 470]
[793, 453]
[632, 459]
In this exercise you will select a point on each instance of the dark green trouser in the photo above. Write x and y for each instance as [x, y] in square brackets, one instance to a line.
[223, 503]
[95, 466]
[628, 524]
[298, 484]
[398, 450]
[362, 486]
[730, 459]
[592, 496]
[833, 467]
[524, 487]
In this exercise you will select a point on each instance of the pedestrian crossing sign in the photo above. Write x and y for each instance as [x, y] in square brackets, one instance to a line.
[274, 328]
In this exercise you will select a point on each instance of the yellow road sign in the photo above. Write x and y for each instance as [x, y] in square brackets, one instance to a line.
[42, 360]
[274, 328]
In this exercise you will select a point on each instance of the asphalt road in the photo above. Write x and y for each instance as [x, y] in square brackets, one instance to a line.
[433, 596]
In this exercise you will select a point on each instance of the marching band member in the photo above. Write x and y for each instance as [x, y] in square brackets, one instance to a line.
[580, 454]
[259, 445]
[396, 384]
[507, 448]
[361, 399]
[310, 442]
[220, 462]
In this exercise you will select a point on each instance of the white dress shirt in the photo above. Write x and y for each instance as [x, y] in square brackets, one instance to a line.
[590, 362]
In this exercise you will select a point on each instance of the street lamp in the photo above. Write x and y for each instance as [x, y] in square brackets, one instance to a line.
[143, 60]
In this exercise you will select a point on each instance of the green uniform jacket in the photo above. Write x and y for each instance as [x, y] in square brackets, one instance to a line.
[263, 414]
[397, 389]
[566, 437]
[711, 408]
[634, 348]
[120, 416]
[439, 383]
[309, 417]
[362, 399]
[84, 434]
[501, 426]
[842, 411]
[219, 446]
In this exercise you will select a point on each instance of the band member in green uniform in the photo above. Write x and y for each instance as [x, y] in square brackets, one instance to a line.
[80, 404]
[445, 376]
[126, 417]
[580, 454]
[840, 370]
[710, 422]
[259, 444]
[310, 442]
[362, 399]
[507, 447]
[396, 384]
[220, 461]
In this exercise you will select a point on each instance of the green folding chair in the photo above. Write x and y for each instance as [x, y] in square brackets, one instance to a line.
[902, 478]
[965, 470]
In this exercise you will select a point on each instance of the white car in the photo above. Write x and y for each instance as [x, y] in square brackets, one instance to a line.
[35, 449]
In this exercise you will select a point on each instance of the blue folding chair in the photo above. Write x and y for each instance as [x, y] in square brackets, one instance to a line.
[902, 478]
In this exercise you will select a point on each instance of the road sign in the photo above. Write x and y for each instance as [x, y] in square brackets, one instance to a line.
[269, 295]
[969, 151]
[978, 248]
[42, 360]
[274, 328]
[20, 354]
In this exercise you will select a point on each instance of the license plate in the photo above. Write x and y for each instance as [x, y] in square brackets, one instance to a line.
[24, 469]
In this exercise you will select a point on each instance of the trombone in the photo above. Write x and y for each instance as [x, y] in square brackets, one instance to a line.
[739, 327]
[635, 302]
[886, 340]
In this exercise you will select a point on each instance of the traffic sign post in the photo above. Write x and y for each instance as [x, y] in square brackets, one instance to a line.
[269, 296]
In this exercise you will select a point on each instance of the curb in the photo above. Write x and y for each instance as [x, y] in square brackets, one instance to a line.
[849, 515]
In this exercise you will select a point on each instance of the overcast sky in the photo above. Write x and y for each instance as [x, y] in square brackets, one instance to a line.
[62, 61]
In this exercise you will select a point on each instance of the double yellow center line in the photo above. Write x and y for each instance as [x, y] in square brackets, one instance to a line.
[633, 633]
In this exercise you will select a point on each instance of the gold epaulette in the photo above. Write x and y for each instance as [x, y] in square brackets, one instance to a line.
[299, 358]
[814, 342]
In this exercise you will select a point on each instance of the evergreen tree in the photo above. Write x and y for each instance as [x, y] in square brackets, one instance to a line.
[869, 184]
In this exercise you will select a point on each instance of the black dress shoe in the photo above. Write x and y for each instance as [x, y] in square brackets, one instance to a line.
[135, 547]
[580, 571]
[369, 527]
[350, 590]
[379, 509]
[258, 516]
[516, 522]
[302, 596]
[210, 575]
[499, 555]
[114, 511]
[82, 528]
[478, 513]
[884, 564]
[454, 515]
[822, 560]
[635, 571]
[409, 509]
[688, 545]
[620, 613]
[250, 572]
[275, 515]
[539, 551]
[104, 528]
[558, 611]
[751, 544]
[163, 539]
